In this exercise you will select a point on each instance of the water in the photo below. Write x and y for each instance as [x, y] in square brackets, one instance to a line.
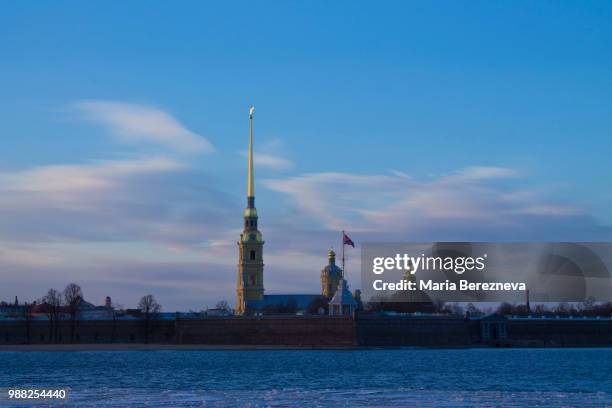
[409, 377]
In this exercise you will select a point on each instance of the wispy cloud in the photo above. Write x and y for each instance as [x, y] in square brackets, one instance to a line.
[268, 160]
[97, 175]
[271, 154]
[146, 199]
[272, 161]
[333, 198]
[462, 206]
[133, 123]
[483, 173]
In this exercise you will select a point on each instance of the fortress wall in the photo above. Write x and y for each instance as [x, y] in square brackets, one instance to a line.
[366, 330]
[560, 333]
[86, 331]
[268, 330]
[430, 331]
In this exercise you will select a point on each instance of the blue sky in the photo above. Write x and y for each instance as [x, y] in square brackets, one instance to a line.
[123, 128]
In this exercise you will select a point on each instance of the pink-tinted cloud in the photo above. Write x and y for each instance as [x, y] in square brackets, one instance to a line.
[134, 123]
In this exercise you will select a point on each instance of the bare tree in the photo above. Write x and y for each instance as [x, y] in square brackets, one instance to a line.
[52, 303]
[588, 304]
[73, 295]
[149, 309]
[471, 310]
[223, 305]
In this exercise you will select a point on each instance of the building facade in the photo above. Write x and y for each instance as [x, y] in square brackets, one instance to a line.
[342, 304]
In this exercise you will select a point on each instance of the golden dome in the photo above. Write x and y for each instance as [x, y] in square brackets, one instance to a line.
[331, 254]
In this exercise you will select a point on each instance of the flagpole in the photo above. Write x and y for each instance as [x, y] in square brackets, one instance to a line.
[342, 276]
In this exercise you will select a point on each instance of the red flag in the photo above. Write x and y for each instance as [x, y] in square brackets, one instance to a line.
[346, 240]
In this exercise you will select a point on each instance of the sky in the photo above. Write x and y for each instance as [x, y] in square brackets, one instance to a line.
[124, 127]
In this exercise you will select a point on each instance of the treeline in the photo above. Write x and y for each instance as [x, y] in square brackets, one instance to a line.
[588, 308]
[67, 305]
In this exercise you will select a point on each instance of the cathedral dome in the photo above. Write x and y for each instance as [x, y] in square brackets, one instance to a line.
[331, 269]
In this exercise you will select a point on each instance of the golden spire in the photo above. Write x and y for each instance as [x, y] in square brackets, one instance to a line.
[251, 187]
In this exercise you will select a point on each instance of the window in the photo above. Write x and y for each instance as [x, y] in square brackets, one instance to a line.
[252, 279]
[252, 255]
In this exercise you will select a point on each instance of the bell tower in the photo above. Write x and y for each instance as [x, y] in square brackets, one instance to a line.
[249, 287]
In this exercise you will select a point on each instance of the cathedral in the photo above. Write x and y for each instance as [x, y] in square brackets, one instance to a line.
[250, 296]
